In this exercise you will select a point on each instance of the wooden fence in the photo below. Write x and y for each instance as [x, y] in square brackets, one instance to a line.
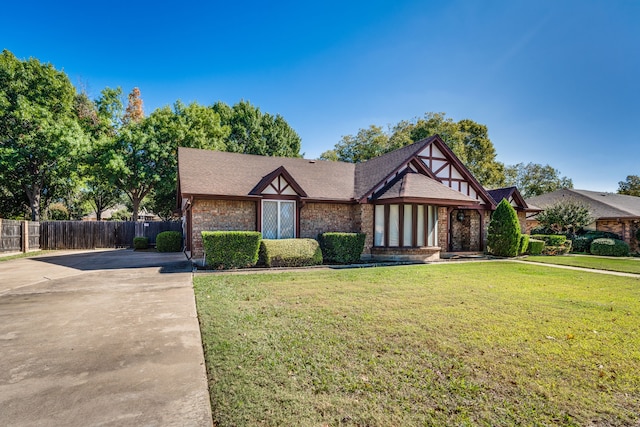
[100, 234]
[12, 236]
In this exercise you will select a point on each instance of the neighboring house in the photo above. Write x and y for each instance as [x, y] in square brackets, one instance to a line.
[612, 212]
[516, 200]
[412, 203]
[143, 215]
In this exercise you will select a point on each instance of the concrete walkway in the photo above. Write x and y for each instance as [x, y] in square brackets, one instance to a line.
[105, 338]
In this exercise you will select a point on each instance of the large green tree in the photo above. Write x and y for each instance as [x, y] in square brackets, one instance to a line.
[533, 179]
[503, 235]
[467, 139]
[252, 132]
[40, 138]
[565, 216]
[630, 186]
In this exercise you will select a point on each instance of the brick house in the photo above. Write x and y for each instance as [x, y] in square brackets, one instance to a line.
[411, 203]
[616, 213]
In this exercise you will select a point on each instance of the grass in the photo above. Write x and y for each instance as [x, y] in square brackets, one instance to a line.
[464, 344]
[23, 255]
[625, 265]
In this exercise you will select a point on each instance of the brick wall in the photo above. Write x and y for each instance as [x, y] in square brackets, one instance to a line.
[443, 228]
[522, 218]
[364, 223]
[624, 228]
[318, 218]
[220, 215]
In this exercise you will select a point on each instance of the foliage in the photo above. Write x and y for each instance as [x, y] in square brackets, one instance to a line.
[534, 179]
[565, 216]
[121, 215]
[536, 246]
[169, 241]
[638, 234]
[41, 139]
[57, 212]
[352, 347]
[467, 139]
[252, 132]
[140, 242]
[582, 242]
[231, 249]
[290, 252]
[134, 112]
[341, 248]
[630, 187]
[524, 244]
[563, 249]
[550, 239]
[503, 237]
[609, 247]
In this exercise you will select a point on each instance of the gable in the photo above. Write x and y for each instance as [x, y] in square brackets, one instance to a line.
[278, 182]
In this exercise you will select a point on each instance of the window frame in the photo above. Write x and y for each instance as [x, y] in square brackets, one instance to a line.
[279, 203]
[429, 226]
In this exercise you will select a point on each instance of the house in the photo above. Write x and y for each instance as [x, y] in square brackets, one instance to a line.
[516, 200]
[411, 203]
[616, 213]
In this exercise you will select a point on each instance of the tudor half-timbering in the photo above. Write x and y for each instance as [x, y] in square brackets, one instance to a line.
[412, 203]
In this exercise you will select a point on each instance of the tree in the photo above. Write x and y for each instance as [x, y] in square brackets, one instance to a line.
[503, 237]
[534, 179]
[134, 112]
[41, 140]
[252, 132]
[467, 139]
[631, 186]
[565, 216]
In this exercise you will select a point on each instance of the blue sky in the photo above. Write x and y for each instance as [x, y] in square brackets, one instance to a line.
[556, 81]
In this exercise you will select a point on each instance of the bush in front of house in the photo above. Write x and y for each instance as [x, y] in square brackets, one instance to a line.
[609, 247]
[536, 246]
[503, 238]
[582, 242]
[551, 239]
[231, 249]
[169, 241]
[524, 244]
[341, 248]
[290, 252]
[140, 243]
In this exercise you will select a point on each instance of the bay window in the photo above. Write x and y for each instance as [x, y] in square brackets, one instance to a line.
[405, 225]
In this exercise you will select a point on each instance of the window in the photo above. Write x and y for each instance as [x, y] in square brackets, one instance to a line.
[406, 225]
[278, 219]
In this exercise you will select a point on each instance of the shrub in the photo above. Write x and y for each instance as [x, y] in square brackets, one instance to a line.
[231, 249]
[609, 247]
[169, 241]
[524, 244]
[582, 243]
[58, 212]
[536, 246]
[638, 234]
[290, 252]
[341, 248]
[550, 239]
[140, 242]
[503, 238]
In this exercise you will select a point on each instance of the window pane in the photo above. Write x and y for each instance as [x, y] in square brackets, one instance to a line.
[435, 225]
[407, 226]
[394, 225]
[420, 226]
[270, 220]
[379, 227]
[287, 220]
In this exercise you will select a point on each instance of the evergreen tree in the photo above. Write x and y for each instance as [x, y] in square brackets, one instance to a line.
[504, 231]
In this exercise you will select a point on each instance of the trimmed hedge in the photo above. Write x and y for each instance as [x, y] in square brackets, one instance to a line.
[582, 243]
[140, 242]
[524, 244]
[169, 241]
[231, 249]
[290, 252]
[536, 246]
[609, 247]
[551, 239]
[341, 248]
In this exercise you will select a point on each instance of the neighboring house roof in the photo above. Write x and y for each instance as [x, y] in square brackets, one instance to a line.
[602, 205]
[223, 174]
[513, 196]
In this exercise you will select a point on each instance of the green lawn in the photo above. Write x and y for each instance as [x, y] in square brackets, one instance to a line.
[625, 265]
[22, 255]
[450, 344]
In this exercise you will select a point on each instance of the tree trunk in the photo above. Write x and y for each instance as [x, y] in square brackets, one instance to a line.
[98, 214]
[34, 201]
[135, 201]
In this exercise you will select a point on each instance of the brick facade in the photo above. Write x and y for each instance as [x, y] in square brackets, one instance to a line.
[624, 228]
[316, 218]
[443, 228]
[220, 215]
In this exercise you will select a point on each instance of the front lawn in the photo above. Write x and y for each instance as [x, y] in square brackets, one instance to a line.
[449, 344]
[625, 265]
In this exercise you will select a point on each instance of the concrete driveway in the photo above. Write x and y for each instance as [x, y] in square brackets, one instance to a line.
[100, 338]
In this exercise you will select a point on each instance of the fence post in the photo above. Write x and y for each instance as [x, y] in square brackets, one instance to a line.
[25, 236]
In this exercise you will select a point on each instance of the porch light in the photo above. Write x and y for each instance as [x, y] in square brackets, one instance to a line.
[460, 216]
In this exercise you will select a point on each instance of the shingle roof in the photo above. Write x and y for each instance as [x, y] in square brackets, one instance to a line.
[217, 173]
[412, 185]
[601, 204]
[505, 193]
